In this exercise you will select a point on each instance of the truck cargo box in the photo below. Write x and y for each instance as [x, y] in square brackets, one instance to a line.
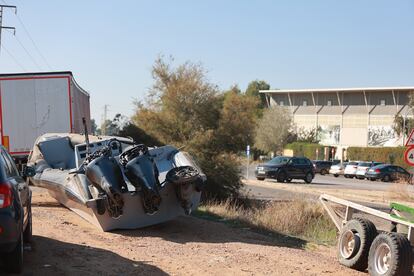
[33, 104]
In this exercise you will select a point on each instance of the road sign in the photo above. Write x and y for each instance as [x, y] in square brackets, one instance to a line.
[410, 140]
[409, 156]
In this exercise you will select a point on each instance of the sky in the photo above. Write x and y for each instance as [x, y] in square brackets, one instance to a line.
[110, 46]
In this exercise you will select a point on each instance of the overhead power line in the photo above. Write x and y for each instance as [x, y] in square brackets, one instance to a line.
[27, 52]
[33, 42]
[2, 7]
[14, 58]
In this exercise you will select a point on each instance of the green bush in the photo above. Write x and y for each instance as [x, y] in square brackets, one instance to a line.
[392, 155]
[307, 149]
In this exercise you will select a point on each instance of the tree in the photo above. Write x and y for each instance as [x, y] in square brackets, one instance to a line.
[186, 110]
[401, 127]
[237, 122]
[94, 127]
[273, 129]
[253, 89]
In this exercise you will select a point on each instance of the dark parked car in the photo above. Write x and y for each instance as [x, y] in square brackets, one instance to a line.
[387, 173]
[321, 166]
[15, 214]
[285, 168]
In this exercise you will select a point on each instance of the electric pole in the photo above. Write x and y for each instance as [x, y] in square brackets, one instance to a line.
[105, 115]
[2, 7]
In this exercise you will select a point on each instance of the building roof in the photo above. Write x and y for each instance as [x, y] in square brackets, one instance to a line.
[326, 90]
[36, 74]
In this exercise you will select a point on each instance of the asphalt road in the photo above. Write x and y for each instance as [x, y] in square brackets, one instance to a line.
[324, 182]
[329, 181]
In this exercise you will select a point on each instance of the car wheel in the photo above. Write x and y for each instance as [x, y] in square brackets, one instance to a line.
[288, 180]
[346, 176]
[372, 179]
[323, 172]
[281, 177]
[14, 259]
[354, 242]
[390, 254]
[336, 175]
[308, 178]
[386, 178]
[28, 232]
[260, 178]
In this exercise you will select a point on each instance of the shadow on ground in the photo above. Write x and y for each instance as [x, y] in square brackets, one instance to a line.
[52, 257]
[209, 230]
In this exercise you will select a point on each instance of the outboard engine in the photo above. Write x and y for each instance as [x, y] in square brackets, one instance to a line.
[104, 173]
[142, 172]
[185, 180]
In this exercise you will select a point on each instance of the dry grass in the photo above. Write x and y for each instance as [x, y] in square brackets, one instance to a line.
[300, 218]
[401, 191]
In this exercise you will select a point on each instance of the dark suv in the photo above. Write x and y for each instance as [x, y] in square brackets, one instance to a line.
[321, 166]
[285, 168]
[15, 214]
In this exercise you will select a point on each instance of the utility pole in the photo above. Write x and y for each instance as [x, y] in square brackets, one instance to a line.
[105, 115]
[2, 7]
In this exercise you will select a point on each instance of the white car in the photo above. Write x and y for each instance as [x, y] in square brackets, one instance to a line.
[351, 169]
[338, 169]
[363, 168]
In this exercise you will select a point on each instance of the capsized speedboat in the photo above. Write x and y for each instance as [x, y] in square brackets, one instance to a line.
[114, 182]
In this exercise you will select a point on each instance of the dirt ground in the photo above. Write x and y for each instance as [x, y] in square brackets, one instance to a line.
[65, 244]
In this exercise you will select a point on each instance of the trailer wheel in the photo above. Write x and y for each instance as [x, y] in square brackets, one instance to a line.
[354, 242]
[390, 255]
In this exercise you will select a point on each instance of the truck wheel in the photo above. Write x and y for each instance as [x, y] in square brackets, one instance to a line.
[308, 178]
[390, 255]
[281, 177]
[260, 178]
[354, 242]
[14, 260]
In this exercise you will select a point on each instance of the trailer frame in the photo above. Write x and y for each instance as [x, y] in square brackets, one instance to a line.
[352, 206]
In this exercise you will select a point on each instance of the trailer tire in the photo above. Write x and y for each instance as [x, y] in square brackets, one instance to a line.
[390, 255]
[354, 242]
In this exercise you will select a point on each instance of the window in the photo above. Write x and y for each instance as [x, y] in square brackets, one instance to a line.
[302, 161]
[401, 170]
[305, 103]
[392, 169]
[9, 165]
[329, 103]
[295, 161]
[382, 102]
[281, 103]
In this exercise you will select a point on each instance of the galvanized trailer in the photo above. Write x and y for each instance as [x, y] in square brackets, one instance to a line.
[362, 246]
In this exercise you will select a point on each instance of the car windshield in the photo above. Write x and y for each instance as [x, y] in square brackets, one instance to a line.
[365, 164]
[279, 160]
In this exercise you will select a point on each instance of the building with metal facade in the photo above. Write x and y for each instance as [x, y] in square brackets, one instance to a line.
[346, 116]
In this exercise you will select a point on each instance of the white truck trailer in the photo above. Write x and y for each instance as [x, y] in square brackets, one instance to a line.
[32, 104]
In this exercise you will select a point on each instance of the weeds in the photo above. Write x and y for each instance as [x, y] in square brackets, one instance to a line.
[300, 218]
[401, 191]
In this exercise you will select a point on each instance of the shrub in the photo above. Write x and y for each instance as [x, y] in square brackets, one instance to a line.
[307, 149]
[392, 155]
